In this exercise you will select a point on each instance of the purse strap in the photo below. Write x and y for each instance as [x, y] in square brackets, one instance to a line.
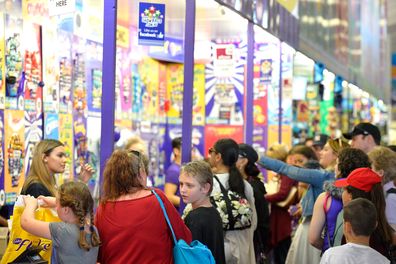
[165, 214]
[231, 217]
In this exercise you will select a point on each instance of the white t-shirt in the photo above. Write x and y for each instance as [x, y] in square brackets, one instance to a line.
[351, 253]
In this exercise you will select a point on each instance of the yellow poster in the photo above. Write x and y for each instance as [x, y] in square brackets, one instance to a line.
[14, 127]
[175, 79]
[287, 136]
[2, 59]
[36, 11]
[66, 137]
[122, 37]
[199, 95]
[273, 134]
[290, 5]
[175, 88]
[149, 74]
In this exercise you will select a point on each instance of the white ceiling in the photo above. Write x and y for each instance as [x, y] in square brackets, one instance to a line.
[212, 19]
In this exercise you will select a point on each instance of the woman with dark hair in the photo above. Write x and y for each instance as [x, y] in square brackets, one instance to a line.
[247, 167]
[238, 244]
[327, 213]
[365, 183]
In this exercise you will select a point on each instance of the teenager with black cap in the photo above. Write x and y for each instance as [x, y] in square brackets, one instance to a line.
[246, 165]
[364, 136]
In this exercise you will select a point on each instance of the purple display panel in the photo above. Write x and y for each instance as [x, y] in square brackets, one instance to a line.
[260, 142]
[189, 40]
[249, 116]
[154, 136]
[2, 155]
[108, 92]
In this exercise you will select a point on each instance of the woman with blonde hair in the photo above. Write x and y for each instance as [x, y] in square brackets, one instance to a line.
[49, 158]
[129, 218]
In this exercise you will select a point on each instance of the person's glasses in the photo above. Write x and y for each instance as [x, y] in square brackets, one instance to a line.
[138, 155]
[212, 150]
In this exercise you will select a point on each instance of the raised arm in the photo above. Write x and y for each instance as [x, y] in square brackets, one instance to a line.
[311, 176]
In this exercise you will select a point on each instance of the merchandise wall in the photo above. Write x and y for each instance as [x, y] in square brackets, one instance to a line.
[51, 87]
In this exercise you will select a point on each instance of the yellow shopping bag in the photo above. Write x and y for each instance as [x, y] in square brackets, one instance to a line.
[20, 239]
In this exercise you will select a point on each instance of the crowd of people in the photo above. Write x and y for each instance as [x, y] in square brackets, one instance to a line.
[334, 201]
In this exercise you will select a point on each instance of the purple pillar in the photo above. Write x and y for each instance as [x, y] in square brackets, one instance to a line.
[249, 120]
[280, 94]
[189, 39]
[108, 81]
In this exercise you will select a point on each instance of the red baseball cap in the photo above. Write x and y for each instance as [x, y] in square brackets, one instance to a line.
[362, 179]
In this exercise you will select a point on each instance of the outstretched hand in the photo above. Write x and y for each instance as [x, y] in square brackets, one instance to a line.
[86, 172]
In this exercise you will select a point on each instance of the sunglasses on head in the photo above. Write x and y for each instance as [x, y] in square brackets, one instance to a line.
[138, 155]
[212, 150]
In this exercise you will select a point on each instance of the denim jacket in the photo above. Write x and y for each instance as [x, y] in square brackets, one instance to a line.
[315, 179]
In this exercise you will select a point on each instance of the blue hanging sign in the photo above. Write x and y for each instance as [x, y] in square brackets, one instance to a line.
[151, 24]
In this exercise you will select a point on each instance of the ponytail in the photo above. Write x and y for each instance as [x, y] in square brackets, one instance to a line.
[235, 181]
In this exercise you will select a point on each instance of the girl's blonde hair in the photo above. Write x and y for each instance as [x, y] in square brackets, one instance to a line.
[77, 197]
[278, 151]
[382, 158]
[38, 170]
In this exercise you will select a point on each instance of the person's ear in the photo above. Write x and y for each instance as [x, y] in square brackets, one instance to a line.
[347, 229]
[206, 187]
[44, 157]
[176, 151]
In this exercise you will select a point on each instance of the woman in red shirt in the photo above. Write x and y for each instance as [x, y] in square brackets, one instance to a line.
[130, 221]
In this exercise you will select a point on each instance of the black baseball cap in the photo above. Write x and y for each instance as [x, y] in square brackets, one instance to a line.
[248, 152]
[365, 129]
[320, 140]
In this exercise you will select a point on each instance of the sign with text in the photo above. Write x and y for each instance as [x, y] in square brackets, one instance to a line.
[151, 24]
[59, 7]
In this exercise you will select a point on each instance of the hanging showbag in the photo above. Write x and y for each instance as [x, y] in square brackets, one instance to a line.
[20, 240]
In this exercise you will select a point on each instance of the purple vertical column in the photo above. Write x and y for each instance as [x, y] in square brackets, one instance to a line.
[249, 120]
[280, 94]
[189, 39]
[108, 81]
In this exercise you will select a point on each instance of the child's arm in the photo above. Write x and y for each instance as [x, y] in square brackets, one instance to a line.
[28, 221]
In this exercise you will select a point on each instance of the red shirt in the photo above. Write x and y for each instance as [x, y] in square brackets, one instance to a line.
[135, 231]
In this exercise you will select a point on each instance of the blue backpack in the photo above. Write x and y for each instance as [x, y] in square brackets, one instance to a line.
[183, 253]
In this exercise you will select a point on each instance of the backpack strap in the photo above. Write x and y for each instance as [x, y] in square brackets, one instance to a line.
[166, 215]
[391, 190]
[231, 218]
